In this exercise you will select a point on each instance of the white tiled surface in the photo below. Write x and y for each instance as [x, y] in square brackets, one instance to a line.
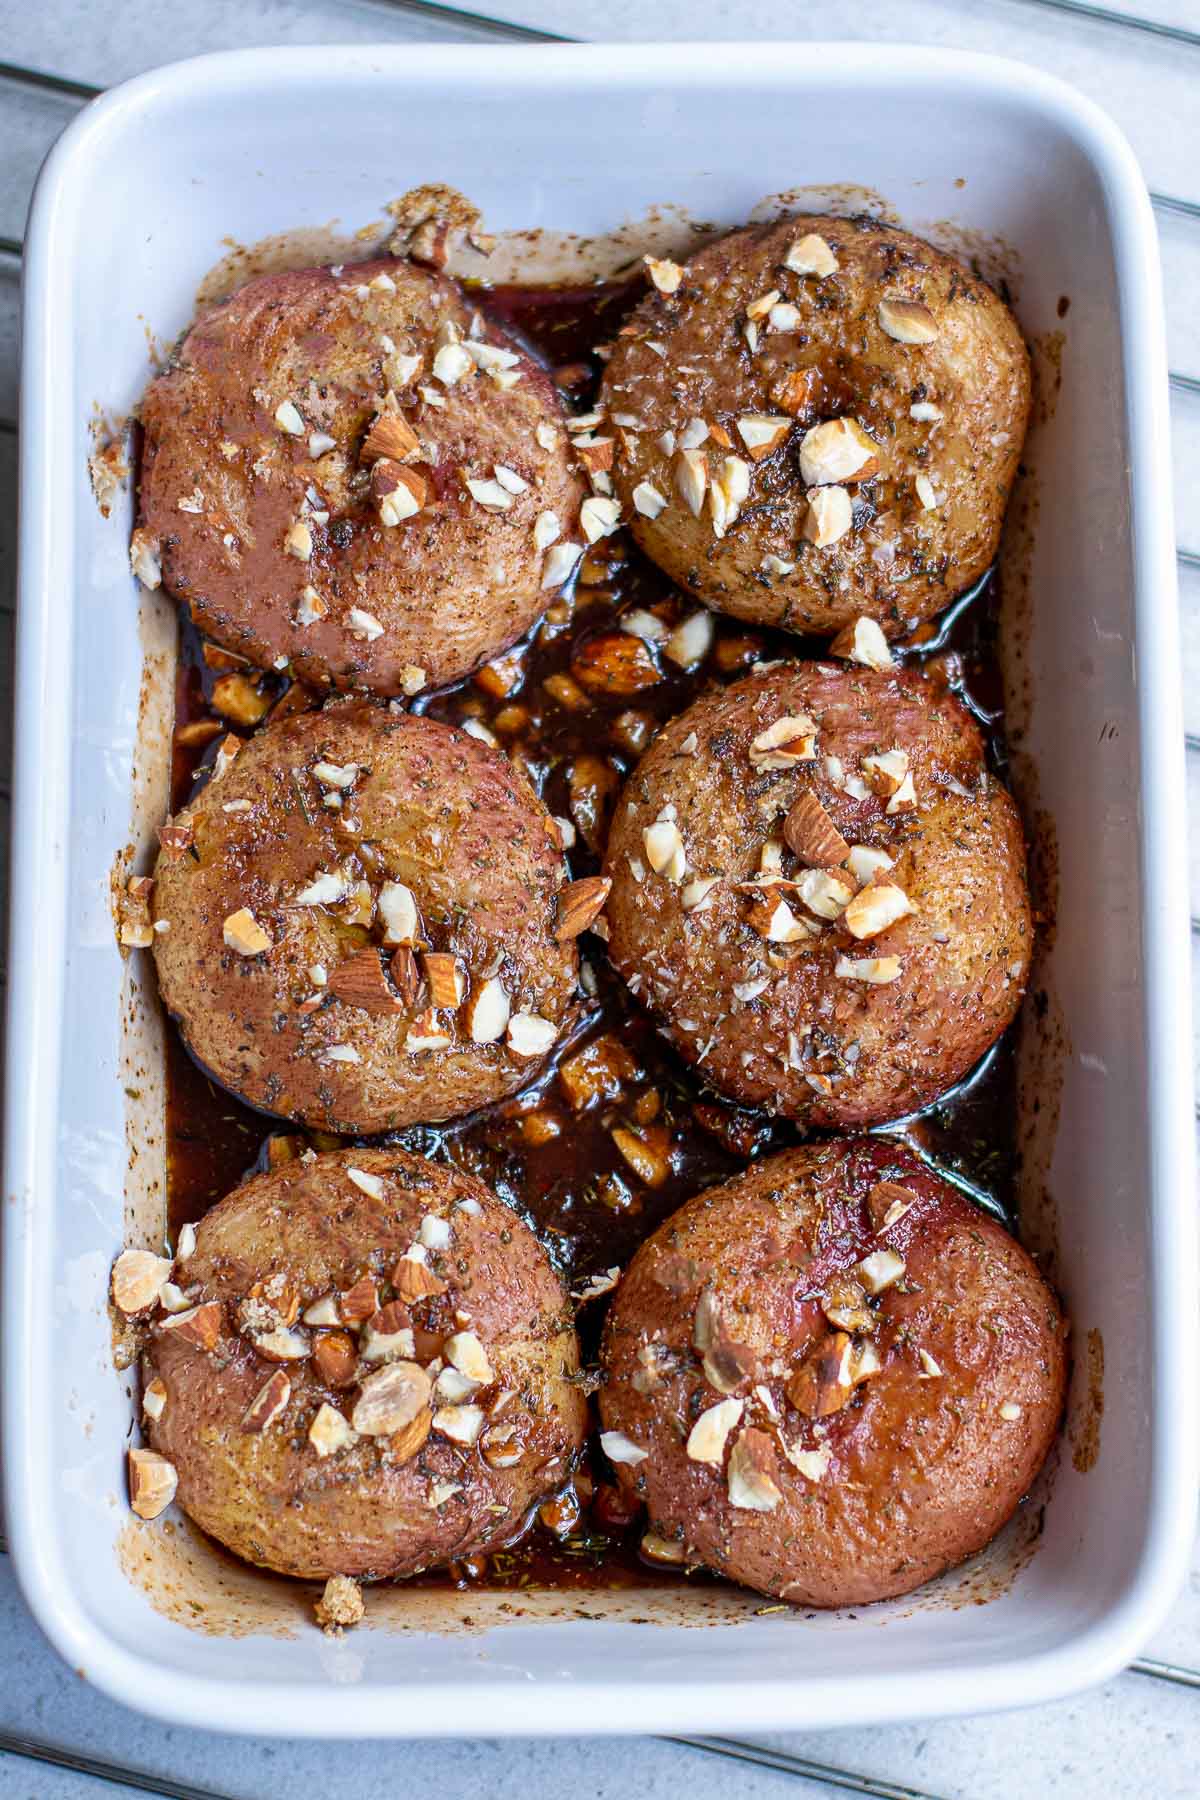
[1137, 1737]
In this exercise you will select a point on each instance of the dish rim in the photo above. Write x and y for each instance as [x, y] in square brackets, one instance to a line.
[40, 816]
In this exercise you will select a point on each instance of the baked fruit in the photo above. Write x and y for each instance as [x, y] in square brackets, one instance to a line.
[832, 1377]
[373, 1372]
[819, 888]
[819, 418]
[352, 474]
[357, 921]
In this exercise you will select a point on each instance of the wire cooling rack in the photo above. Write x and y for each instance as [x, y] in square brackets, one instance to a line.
[1105, 34]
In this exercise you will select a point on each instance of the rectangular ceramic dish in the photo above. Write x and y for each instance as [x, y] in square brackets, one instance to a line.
[130, 211]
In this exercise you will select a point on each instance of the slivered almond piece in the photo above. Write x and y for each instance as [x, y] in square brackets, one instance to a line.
[879, 971]
[199, 1325]
[881, 1270]
[336, 1357]
[691, 479]
[621, 1449]
[406, 976]
[330, 1431]
[788, 741]
[761, 433]
[243, 933]
[709, 1435]
[811, 255]
[758, 309]
[391, 435]
[398, 914]
[751, 1472]
[530, 1035]
[664, 849]
[391, 1399]
[413, 1278]
[908, 321]
[578, 904]
[152, 1483]
[887, 1202]
[837, 450]
[487, 1012]
[863, 642]
[361, 982]
[829, 517]
[444, 978]
[138, 1278]
[729, 488]
[270, 1400]
[812, 836]
[647, 500]
[373, 1186]
[874, 908]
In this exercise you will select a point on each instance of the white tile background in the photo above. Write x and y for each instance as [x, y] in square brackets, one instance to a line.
[1139, 1736]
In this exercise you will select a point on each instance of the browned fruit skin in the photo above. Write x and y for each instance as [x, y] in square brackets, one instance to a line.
[899, 563]
[438, 811]
[959, 857]
[432, 581]
[267, 1495]
[922, 1472]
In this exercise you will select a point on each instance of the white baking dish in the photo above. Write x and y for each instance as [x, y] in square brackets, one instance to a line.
[130, 211]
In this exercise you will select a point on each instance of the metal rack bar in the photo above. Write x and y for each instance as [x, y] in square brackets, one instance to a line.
[1103, 15]
[803, 1768]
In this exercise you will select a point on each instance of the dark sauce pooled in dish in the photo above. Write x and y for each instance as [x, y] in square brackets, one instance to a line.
[551, 1152]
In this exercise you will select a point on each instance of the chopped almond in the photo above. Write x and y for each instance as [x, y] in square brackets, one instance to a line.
[761, 433]
[874, 908]
[751, 1472]
[152, 1483]
[488, 1012]
[812, 836]
[648, 1164]
[392, 436]
[444, 978]
[138, 1278]
[839, 450]
[199, 1325]
[336, 1357]
[391, 1398]
[908, 321]
[579, 903]
[243, 933]
[788, 741]
[709, 1435]
[863, 642]
[811, 255]
[361, 982]
[269, 1402]
[888, 1202]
